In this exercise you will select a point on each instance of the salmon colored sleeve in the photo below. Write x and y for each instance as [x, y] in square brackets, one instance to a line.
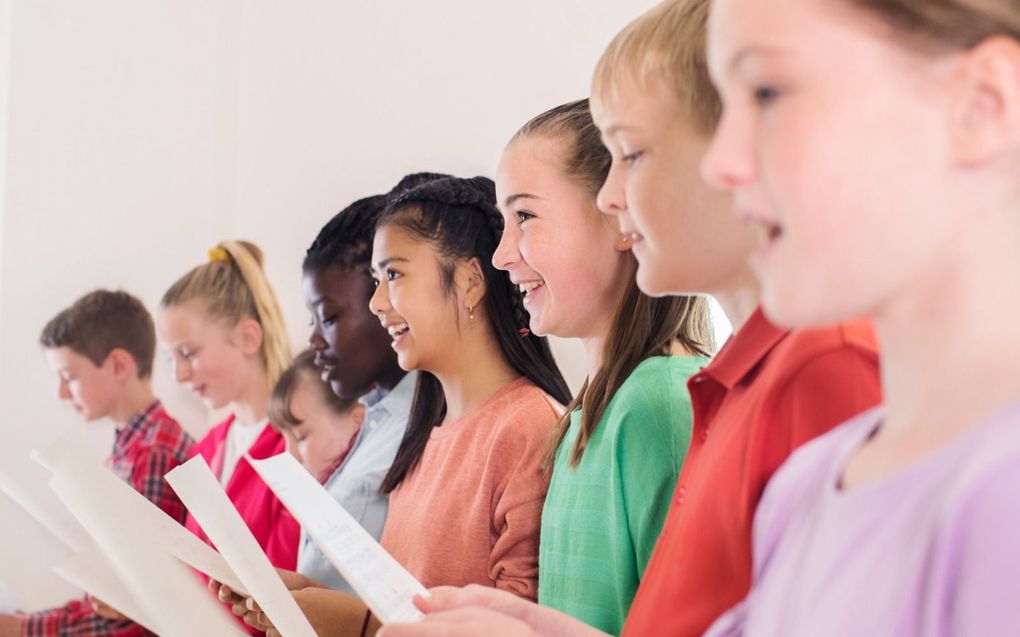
[517, 515]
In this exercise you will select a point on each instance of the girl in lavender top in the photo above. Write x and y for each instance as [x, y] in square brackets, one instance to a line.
[876, 144]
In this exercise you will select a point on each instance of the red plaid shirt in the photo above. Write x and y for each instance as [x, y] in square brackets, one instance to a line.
[144, 450]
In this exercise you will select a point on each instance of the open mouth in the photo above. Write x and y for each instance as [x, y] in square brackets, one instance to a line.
[397, 330]
[529, 289]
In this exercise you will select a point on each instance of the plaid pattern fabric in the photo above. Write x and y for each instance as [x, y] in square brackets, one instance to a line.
[144, 450]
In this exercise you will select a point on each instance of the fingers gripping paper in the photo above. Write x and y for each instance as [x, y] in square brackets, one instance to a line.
[201, 492]
[381, 582]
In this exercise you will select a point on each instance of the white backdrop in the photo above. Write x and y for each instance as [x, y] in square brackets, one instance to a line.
[137, 134]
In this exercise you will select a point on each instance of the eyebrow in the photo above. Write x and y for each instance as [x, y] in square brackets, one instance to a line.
[747, 52]
[386, 262]
[521, 195]
[616, 128]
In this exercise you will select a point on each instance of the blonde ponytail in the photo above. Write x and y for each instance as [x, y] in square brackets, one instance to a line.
[233, 285]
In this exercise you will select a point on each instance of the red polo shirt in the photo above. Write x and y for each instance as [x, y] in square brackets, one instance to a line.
[767, 392]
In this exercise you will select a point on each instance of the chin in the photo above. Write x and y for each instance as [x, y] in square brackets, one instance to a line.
[651, 283]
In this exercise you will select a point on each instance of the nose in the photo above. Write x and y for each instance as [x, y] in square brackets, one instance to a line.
[315, 340]
[729, 161]
[508, 251]
[610, 199]
[380, 301]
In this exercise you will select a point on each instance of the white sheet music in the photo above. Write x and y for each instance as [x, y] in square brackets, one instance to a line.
[201, 492]
[168, 594]
[160, 528]
[381, 582]
[91, 571]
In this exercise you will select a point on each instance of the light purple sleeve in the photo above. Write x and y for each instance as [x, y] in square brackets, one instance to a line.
[980, 573]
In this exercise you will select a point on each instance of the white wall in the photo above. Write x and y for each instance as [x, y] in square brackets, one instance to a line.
[142, 133]
[121, 150]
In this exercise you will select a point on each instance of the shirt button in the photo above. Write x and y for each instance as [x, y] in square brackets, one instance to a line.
[681, 493]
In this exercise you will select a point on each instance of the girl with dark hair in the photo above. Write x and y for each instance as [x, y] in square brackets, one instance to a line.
[467, 485]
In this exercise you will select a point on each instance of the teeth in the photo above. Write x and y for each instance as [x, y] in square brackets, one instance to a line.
[528, 286]
[397, 329]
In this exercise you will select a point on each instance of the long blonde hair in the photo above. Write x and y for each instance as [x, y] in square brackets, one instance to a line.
[233, 286]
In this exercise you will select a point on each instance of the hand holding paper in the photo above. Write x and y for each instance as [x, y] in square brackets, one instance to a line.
[201, 492]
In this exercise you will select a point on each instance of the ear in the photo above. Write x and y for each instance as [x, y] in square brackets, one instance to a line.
[122, 364]
[986, 113]
[471, 281]
[247, 336]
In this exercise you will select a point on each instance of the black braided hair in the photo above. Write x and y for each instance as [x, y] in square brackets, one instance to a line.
[346, 239]
[460, 219]
[414, 179]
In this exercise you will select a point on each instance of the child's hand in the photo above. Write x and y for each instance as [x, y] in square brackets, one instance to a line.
[10, 626]
[101, 608]
[462, 622]
[225, 594]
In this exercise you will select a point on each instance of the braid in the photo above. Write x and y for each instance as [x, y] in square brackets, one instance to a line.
[346, 240]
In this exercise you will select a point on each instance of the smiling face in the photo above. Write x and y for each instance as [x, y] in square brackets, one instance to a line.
[351, 348]
[684, 237]
[835, 143]
[92, 390]
[211, 357]
[410, 301]
[556, 246]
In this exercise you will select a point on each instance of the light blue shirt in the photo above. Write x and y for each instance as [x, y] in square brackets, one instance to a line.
[355, 483]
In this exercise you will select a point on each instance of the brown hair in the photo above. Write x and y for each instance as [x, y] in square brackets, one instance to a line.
[232, 285]
[947, 23]
[643, 326]
[100, 322]
[303, 368]
[667, 43]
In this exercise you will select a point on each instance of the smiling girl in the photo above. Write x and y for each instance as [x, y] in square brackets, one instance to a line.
[617, 453]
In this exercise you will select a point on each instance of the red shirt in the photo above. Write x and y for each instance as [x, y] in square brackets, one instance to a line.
[272, 525]
[767, 392]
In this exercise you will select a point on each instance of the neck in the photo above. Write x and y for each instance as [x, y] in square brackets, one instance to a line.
[475, 372]
[136, 397]
[253, 405]
[739, 299]
[947, 363]
[391, 378]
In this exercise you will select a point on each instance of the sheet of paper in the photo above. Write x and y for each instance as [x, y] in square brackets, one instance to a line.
[92, 572]
[381, 582]
[159, 527]
[169, 595]
[42, 505]
[201, 492]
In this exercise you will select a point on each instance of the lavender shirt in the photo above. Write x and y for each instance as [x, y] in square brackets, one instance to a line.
[931, 551]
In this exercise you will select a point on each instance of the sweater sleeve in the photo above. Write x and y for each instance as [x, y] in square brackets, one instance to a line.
[517, 514]
[653, 426]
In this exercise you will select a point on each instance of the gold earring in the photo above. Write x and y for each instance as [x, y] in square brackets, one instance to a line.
[471, 313]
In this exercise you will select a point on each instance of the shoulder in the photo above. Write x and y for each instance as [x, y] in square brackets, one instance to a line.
[213, 438]
[522, 416]
[853, 340]
[655, 393]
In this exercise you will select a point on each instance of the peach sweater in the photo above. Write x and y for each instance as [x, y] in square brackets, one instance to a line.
[471, 510]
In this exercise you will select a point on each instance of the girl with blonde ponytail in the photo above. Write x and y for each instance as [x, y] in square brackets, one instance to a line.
[225, 333]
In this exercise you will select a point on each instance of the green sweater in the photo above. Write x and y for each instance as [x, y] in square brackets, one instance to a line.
[601, 520]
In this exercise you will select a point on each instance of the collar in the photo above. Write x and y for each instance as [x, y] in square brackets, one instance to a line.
[397, 402]
[745, 350]
[136, 425]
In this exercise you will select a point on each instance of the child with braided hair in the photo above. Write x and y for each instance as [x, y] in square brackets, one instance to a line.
[468, 483]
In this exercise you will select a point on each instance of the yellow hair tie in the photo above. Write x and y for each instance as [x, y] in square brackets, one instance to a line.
[219, 253]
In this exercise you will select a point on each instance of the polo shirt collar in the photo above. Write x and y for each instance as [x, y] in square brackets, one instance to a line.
[745, 350]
